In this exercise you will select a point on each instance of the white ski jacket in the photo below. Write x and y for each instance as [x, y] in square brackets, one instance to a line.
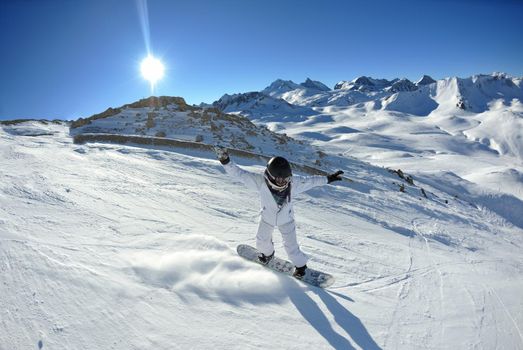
[270, 212]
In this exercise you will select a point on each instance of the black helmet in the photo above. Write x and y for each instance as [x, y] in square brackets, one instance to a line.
[278, 173]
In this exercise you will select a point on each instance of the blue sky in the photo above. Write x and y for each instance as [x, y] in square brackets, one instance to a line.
[73, 58]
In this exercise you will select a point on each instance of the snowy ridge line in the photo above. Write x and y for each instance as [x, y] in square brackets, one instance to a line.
[170, 142]
[43, 121]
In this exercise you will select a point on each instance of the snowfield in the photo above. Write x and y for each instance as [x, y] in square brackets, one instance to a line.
[106, 246]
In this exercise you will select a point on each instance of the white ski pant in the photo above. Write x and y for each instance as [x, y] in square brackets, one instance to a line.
[288, 232]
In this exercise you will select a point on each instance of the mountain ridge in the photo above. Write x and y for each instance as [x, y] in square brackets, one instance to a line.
[455, 116]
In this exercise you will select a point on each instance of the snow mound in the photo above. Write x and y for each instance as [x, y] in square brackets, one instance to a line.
[505, 206]
[500, 128]
[206, 267]
[412, 102]
[500, 179]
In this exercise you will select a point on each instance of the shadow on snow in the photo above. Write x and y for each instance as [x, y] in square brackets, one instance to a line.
[351, 324]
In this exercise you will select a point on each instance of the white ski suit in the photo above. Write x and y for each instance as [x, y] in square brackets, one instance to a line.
[273, 215]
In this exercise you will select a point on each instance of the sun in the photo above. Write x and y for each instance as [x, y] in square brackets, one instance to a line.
[152, 69]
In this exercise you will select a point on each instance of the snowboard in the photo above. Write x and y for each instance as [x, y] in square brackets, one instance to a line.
[313, 277]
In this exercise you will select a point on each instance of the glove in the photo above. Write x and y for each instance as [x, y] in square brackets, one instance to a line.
[222, 154]
[334, 177]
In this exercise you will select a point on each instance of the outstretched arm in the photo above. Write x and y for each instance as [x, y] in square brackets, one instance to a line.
[251, 180]
[303, 183]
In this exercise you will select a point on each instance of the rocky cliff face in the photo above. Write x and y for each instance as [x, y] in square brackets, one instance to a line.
[403, 85]
[425, 80]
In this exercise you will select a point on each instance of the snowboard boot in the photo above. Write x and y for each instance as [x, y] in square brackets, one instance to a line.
[265, 259]
[299, 272]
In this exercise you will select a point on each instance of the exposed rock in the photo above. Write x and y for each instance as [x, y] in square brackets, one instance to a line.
[364, 83]
[403, 85]
[237, 99]
[177, 103]
[312, 84]
[425, 80]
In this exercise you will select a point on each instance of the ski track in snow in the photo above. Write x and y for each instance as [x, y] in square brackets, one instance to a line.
[122, 247]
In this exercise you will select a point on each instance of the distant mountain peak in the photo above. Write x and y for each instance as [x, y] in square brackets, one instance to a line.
[364, 83]
[425, 80]
[313, 84]
[280, 85]
[238, 99]
[286, 98]
[403, 85]
[363, 80]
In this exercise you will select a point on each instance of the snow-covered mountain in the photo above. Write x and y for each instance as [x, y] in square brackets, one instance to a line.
[262, 107]
[297, 94]
[313, 84]
[393, 122]
[425, 80]
[402, 85]
[171, 117]
[364, 84]
[280, 87]
[472, 94]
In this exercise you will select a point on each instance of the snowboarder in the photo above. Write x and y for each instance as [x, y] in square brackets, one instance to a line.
[277, 187]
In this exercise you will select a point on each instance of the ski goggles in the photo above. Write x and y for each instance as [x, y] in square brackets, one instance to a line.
[282, 181]
[278, 182]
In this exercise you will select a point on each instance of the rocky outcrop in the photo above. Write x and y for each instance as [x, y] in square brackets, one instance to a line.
[177, 103]
[238, 99]
[316, 85]
[425, 80]
[364, 84]
[403, 85]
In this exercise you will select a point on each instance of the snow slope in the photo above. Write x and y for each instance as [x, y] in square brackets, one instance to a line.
[106, 246]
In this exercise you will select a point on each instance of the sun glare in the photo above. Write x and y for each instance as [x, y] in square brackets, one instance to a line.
[152, 69]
